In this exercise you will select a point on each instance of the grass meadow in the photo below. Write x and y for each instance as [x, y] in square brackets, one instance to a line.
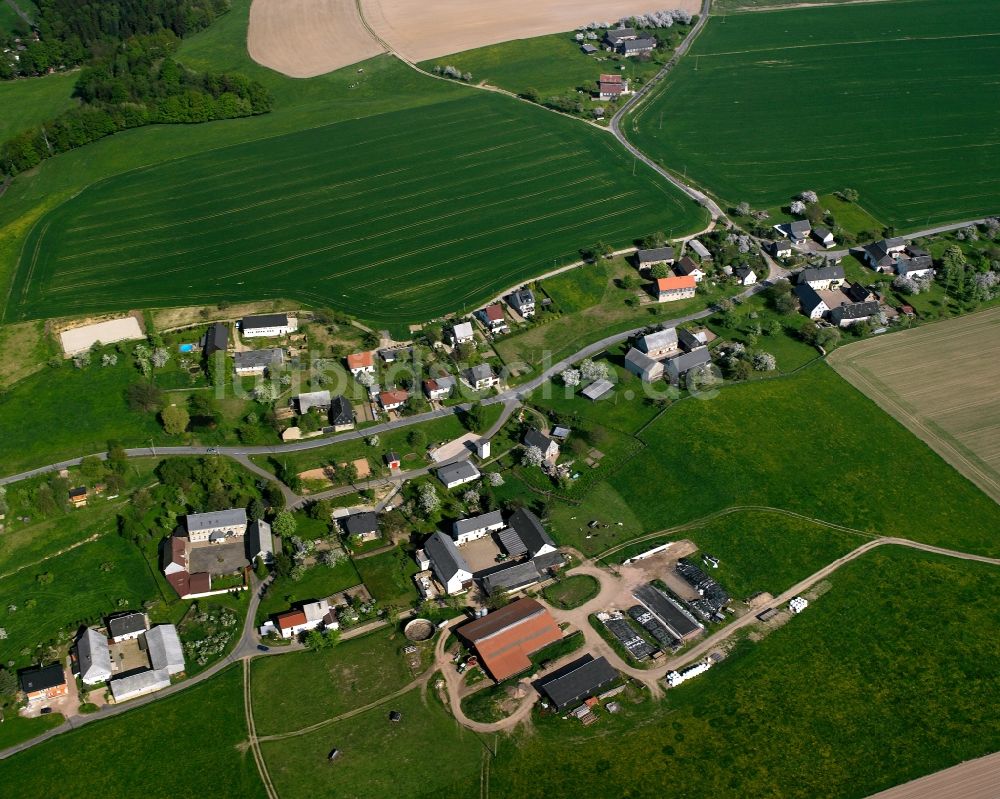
[318, 582]
[389, 577]
[900, 650]
[426, 754]
[334, 681]
[396, 218]
[191, 744]
[768, 105]
[28, 101]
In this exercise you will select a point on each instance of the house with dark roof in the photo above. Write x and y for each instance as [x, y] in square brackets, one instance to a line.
[437, 388]
[341, 413]
[480, 377]
[78, 496]
[476, 527]
[509, 577]
[676, 368]
[779, 248]
[812, 305]
[522, 301]
[536, 438]
[745, 275]
[43, 683]
[823, 236]
[127, 626]
[687, 266]
[616, 36]
[881, 255]
[643, 366]
[693, 339]
[853, 313]
[634, 47]
[362, 526]
[257, 362]
[798, 231]
[656, 255]
[531, 532]
[216, 339]
[266, 325]
[505, 639]
[822, 277]
[447, 563]
[578, 681]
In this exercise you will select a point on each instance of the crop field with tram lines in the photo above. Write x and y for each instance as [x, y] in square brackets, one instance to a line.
[394, 218]
[896, 100]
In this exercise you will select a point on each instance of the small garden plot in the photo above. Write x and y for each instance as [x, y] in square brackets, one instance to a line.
[571, 592]
[206, 632]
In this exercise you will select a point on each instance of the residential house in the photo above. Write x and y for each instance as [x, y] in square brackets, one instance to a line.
[669, 289]
[523, 301]
[78, 496]
[882, 255]
[43, 683]
[392, 459]
[492, 316]
[700, 250]
[634, 47]
[548, 447]
[257, 362]
[531, 533]
[505, 639]
[311, 616]
[358, 362]
[688, 267]
[822, 277]
[574, 683]
[657, 255]
[779, 248]
[216, 525]
[480, 377]
[395, 354]
[127, 626]
[611, 87]
[916, 266]
[216, 339]
[393, 399]
[641, 365]
[163, 646]
[852, 313]
[439, 387]
[341, 413]
[459, 473]
[615, 36]
[260, 541]
[658, 344]
[823, 236]
[313, 399]
[447, 563]
[462, 333]
[267, 325]
[693, 339]
[678, 367]
[509, 577]
[475, 527]
[597, 390]
[362, 526]
[811, 303]
[798, 231]
[93, 658]
[745, 275]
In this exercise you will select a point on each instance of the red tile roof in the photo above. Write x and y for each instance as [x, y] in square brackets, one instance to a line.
[611, 78]
[494, 312]
[201, 582]
[358, 360]
[505, 638]
[290, 619]
[393, 397]
[181, 582]
[674, 283]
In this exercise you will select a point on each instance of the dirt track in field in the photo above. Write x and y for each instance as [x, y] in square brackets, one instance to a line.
[305, 38]
[974, 779]
[941, 381]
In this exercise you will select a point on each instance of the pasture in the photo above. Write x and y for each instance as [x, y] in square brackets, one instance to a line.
[394, 219]
[148, 751]
[807, 711]
[28, 101]
[941, 382]
[767, 105]
[351, 674]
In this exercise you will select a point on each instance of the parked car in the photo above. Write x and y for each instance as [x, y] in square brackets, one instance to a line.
[263, 648]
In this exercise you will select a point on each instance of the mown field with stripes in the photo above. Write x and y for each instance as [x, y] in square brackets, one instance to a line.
[897, 100]
[395, 218]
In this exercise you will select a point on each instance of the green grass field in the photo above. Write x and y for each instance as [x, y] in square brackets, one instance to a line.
[768, 105]
[389, 577]
[397, 218]
[150, 751]
[851, 697]
[29, 101]
[79, 591]
[348, 676]
[425, 754]
[571, 592]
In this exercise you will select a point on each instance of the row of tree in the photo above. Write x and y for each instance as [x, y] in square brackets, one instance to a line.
[137, 84]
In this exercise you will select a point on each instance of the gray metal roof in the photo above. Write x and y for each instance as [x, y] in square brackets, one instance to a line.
[638, 44]
[216, 518]
[615, 35]
[530, 530]
[139, 682]
[446, 560]
[164, 647]
[905, 266]
[597, 389]
[259, 540]
[578, 681]
[127, 623]
[655, 255]
[832, 272]
[640, 360]
[264, 321]
[700, 249]
[313, 399]
[854, 311]
[491, 519]
[511, 577]
[462, 470]
[661, 339]
[689, 360]
[511, 542]
[249, 359]
[674, 618]
[689, 340]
